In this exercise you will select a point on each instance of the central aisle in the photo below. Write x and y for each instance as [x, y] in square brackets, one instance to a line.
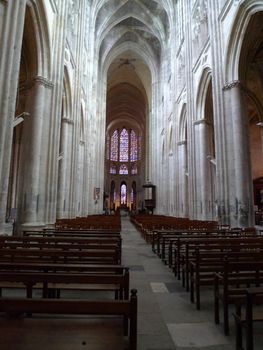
[166, 318]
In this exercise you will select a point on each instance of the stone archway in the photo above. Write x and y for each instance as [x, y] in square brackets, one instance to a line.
[243, 94]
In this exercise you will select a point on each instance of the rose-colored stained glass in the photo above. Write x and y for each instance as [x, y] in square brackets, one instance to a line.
[114, 146]
[134, 147]
[124, 146]
[123, 170]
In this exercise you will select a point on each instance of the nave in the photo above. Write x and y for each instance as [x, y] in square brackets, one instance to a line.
[166, 318]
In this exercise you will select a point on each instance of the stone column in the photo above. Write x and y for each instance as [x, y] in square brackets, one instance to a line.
[63, 205]
[34, 151]
[240, 178]
[183, 178]
[203, 178]
[12, 20]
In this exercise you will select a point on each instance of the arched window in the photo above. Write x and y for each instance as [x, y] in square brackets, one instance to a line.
[108, 147]
[133, 196]
[123, 170]
[134, 169]
[112, 195]
[113, 169]
[134, 147]
[123, 194]
[124, 146]
[114, 146]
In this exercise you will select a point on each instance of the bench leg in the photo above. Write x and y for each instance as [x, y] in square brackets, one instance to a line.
[133, 321]
[192, 291]
[249, 324]
[197, 293]
[216, 309]
[226, 321]
[239, 343]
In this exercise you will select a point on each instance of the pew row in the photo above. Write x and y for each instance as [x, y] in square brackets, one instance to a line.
[125, 308]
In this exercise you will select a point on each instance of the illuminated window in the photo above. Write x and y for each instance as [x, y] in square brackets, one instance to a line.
[123, 170]
[123, 194]
[134, 170]
[132, 196]
[134, 147]
[113, 169]
[124, 146]
[114, 146]
[108, 147]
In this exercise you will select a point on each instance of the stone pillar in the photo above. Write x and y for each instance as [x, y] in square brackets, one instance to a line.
[11, 25]
[63, 205]
[240, 178]
[34, 151]
[183, 178]
[203, 178]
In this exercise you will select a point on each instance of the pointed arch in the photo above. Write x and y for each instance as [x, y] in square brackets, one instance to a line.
[245, 12]
[40, 35]
[183, 124]
[171, 140]
[67, 98]
[203, 87]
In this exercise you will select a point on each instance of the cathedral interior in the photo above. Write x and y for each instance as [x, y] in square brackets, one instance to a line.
[133, 107]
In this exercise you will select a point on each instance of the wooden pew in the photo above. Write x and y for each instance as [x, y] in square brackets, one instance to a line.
[254, 296]
[186, 246]
[126, 308]
[206, 264]
[57, 281]
[230, 285]
[51, 244]
[92, 256]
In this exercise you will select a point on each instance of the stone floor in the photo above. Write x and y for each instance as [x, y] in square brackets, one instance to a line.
[166, 318]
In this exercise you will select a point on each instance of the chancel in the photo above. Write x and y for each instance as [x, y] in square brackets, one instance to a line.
[128, 129]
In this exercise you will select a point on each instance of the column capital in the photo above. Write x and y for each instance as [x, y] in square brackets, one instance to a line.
[232, 84]
[36, 80]
[43, 81]
[200, 121]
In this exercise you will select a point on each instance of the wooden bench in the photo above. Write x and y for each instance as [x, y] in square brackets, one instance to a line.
[185, 247]
[125, 308]
[206, 264]
[92, 256]
[230, 285]
[57, 281]
[254, 296]
[41, 243]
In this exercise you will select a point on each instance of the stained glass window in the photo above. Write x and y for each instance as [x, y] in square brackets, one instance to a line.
[140, 148]
[113, 169]
[108, 147]
[134, 169]
[124, 146]
[123, 194]
[132, 196]
[123, 170]
[134, 147]
[114, 146]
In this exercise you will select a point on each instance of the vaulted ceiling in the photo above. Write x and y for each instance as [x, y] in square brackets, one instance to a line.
[130, 36]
